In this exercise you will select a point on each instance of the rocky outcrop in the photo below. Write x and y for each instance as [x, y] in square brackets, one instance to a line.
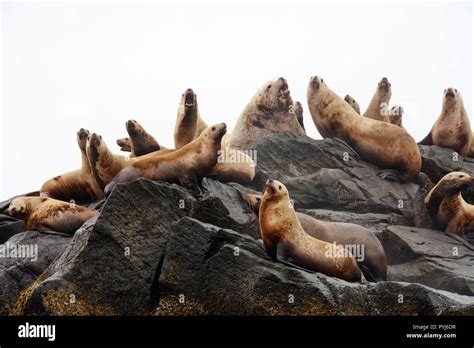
[159, 249]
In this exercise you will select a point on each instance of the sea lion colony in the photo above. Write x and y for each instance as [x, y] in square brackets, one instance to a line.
[293, 238]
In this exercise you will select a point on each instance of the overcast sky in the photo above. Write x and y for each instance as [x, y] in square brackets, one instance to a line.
[97, 65]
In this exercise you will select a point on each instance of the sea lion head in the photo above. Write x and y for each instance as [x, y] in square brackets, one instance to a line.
[95, 147]
[296, 109]
[133, 127]
[213, 134]
[451, 98]
[275, 191]
[253, 201]
[316, 84]
[395, 115]
[188, 100]
[351, 101]
[274, 95]
[18, 208]
[82, 135]
[456, 182]
[384, 86]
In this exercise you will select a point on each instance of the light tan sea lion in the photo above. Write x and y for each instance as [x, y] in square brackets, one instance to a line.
[380, 143]
[297, 110]
[266, 114]
[47, 214]
[378, 106]
[79, 185]
[285, 240]
[352, 102]
[452, 129]
[186, 165]
[374, 261]
[396, 116]
[189, 124]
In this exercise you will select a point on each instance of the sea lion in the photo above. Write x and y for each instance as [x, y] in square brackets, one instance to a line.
[186, 165]
[352, 102]
[47, 214]
[233, 166]
[125, 144]
[452, 129]
[448, 210]
[141, 141]
[381, 143]
[297, 110]
[396, 115]
[266, 114]
[374, 261]
[285, 240]
[189, 124]
[378, 106]
[105, 165]
[78, 185]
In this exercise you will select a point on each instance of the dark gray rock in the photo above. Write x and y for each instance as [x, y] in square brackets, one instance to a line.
[328, 174]
[18, 273]
[178, 265]
[428, 257]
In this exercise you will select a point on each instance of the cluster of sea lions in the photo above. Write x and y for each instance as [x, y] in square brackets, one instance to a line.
[289, 237]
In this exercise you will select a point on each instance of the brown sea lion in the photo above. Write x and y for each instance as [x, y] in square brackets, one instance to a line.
[381, 143]
[396, 115]
[189, 124]
[352, 102]
[378, 106]
[373, 262]
[125, 144]
[448, 210]
[186, 165]
[141, 141]
[297, 110]
[266, 114]
[452, 129]
[78, 185]
[285, 240]
[48, 214]
[105, 165]
[233, 166]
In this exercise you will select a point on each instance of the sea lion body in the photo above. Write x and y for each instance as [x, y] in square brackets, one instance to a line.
[378, 106]
[186, 165]
[46, 214]
[446, 207]
[189, 124]
[452, 129]
[78, 185]
[285, 240]
[266, 114]
[141, 141]
[381, 143]
[105, 165]
[352, 102]
[374, 261]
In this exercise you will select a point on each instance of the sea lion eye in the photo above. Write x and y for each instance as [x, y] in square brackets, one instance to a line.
[269, 86]
[456, 90]
[322, 80]
[279, 187]
[100, 136]
[213, 128]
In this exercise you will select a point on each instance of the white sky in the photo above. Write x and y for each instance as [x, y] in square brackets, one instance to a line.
[68, 66]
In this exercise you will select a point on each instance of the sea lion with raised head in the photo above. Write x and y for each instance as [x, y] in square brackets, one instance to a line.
[105, 165]
[47, 214]
[378, 106]
[266, 114]
[352, 102]
[297, 110]
[447, 208]
[371, 258]
[285, 240]
[452, 129]
[186, 165]
[380, 143]
[189, 124]
[78, 185]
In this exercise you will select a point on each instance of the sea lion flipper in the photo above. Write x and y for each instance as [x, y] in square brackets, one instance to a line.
[428, 140]
[390, 174]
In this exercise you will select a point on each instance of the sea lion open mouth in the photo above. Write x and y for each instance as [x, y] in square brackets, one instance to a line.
[189, 99]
